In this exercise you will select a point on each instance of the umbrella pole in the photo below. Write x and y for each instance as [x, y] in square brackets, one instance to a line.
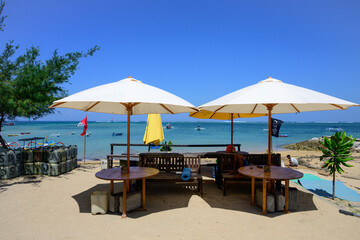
[269, 108]
[128, 139]
[232, 129]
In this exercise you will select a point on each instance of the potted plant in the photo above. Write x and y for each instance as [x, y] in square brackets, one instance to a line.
[166, 147]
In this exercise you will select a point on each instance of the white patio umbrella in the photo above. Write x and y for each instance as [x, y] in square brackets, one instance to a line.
[203, 114]
[273, 96]
[128, 96]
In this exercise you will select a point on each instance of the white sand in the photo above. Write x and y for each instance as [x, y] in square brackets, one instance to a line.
[59, 208]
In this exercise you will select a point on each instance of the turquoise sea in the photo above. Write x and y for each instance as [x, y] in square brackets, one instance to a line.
[251, 135]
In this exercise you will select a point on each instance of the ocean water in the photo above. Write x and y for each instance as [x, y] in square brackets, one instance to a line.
[251, 135]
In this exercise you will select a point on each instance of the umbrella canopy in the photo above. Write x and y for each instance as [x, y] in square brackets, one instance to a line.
[203, 114]
[154, 130]
[274, 96]
[128, 96]
[117, 97]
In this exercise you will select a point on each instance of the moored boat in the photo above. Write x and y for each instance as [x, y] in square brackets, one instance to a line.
[284, 135]
[117, 134]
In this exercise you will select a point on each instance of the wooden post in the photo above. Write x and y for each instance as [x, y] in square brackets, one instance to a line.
[143, 193]
[111, 187]
[264, 211]
[269, 137]
[84, 146]
[232, 129]
[124, 200]
[269, 108]
[286, 196]
[128, 138]
[252, 191]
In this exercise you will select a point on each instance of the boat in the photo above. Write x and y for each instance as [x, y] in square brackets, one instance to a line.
[334, 129]
[10, 124]
[198, 128]
[117, 134]
[12, 135]
[22, 133]
[168, 126]
[284, 135]
[88, 134]
[70, 133]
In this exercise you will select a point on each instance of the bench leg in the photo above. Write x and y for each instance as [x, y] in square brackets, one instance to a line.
[224, 185]
[200, 187]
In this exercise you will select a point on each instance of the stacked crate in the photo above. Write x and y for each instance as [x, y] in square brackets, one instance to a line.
[51, 161]
[73, 156]
[28, 162]
[7, 165]
[19, 162]
[41, 165]
[62, 160]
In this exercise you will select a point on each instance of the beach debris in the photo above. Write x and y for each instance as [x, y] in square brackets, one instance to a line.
[349, 213]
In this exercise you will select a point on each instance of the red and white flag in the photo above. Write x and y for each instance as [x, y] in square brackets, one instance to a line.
[83, 123]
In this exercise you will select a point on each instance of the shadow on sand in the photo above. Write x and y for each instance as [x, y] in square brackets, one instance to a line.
[167, 196]
[35, 180]
[31, 179]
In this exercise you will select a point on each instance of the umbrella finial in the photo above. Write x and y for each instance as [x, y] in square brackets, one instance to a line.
[269, 79]
[130, 77]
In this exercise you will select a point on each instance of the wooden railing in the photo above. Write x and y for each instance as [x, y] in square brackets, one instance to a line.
[112, 145]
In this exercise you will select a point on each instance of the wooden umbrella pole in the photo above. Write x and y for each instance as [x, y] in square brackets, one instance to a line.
[232, 129]
[128, 138]
[269, 108]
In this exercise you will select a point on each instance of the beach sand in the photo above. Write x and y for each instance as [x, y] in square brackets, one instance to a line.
[59, 208]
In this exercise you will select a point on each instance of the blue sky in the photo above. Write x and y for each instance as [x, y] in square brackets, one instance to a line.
[199, 50]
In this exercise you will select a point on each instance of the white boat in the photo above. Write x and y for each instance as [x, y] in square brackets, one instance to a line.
[334, 129]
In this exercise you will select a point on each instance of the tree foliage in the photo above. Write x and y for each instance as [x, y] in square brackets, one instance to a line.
[2, 17]
[336, 153]
[28, 84]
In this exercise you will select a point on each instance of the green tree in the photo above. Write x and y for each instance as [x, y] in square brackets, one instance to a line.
[2, 17]
[29, 85]
[336, 153]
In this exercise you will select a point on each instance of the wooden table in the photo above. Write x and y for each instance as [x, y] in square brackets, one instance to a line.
[114, 174]
[276, 173]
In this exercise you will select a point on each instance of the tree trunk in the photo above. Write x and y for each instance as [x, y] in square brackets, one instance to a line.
[333, 196]
[2, 141]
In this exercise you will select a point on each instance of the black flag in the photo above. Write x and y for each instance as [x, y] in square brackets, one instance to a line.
[275, 127]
